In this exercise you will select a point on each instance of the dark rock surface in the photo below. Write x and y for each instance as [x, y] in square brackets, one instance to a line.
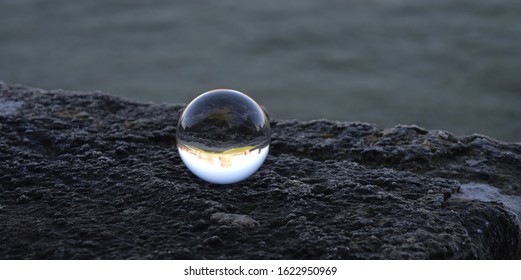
[88, 176]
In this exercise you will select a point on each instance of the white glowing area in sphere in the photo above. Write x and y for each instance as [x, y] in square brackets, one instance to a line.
[223, 169]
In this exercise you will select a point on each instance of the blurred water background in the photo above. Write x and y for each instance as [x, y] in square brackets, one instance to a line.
[444, 64]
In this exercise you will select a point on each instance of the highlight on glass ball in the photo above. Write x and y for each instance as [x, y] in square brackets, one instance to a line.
[223, 136]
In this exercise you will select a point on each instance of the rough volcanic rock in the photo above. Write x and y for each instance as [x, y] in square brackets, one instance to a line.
[91, 176]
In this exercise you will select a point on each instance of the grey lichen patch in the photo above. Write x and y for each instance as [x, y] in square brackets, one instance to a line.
[234, 220]
[488, 193]
[8, 107]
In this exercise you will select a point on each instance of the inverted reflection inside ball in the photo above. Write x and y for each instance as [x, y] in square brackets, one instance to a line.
[223, 136]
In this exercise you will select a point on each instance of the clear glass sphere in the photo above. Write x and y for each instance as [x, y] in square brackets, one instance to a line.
[223, 136]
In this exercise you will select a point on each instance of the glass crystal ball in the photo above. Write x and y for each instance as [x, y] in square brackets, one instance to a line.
[223, 136]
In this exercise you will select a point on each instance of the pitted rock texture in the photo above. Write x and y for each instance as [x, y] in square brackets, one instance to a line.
[91, 176]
